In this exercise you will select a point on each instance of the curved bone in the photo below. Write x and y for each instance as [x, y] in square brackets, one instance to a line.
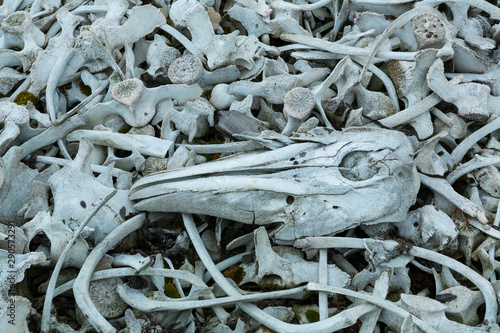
[347, 242]
[81, 286]
[55, 273]
[328, 325]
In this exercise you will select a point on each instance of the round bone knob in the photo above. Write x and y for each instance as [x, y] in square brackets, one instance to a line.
[298, 105]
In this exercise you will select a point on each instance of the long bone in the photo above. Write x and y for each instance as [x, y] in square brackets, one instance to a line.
[360, 176]
[60, 261]
[81, 285]
[345, 242]
[250, 309]
[139, 301]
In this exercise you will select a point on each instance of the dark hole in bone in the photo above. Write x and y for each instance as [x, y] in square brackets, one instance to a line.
[250, 286]
[122, 153]
[42, 240]
[271, 282]
[290, 199]
[33, 123]
[123, 212]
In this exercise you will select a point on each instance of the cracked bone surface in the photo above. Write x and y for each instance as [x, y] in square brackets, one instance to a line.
[361, 176]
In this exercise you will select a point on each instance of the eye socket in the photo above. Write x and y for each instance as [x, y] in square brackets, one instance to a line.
[40, 242]
[358, 166]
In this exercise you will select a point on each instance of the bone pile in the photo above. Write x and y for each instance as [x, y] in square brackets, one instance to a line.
[249, 166]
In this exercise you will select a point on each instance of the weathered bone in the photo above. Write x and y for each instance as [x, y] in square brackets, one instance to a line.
[361, 176]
